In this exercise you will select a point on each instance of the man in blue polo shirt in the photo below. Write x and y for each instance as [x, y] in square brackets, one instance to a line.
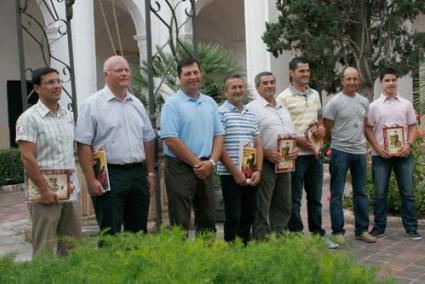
[193, 141]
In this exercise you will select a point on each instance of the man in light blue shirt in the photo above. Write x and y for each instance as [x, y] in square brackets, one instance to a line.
[193, 141]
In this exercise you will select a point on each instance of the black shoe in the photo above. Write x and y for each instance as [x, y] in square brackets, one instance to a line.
[414, 236]
[376, 234]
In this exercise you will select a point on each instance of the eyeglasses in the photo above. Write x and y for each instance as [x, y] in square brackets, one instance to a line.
[119, 70]
[52, 82]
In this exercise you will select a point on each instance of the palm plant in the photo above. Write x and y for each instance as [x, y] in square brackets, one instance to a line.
[216, 64]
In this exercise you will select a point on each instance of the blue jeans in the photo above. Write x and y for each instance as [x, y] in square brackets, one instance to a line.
[403, 170]
[308, 174]
[339, 165]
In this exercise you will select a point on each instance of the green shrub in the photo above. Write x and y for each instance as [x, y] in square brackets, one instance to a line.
[11, 169]
[169, 258]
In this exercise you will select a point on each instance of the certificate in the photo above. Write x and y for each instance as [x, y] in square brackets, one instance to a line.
[393, 139]
[59, 183]
[310, 134]
[285, 146]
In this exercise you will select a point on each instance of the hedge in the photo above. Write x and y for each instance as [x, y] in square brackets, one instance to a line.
[169, 257]
[11, 169]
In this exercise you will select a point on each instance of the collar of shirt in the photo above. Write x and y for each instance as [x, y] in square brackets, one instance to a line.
[231, 107]
[185, 97]
[110, 96]
[264, 103]
[297, 92]
[384, 98]
[44, 110]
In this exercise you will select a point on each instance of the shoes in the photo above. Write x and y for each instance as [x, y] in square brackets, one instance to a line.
[376, 234]
[330, 244]
[414, 236]
[339, 239]
[366, 237]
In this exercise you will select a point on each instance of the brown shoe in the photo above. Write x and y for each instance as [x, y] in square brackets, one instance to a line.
[366, 237]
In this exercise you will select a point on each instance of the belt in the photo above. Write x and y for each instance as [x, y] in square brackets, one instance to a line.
[125, 166]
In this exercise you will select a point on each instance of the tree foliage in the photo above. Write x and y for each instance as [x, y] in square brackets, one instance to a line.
[331, 34]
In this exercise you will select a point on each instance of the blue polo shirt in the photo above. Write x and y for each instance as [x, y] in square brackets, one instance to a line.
[194, 121]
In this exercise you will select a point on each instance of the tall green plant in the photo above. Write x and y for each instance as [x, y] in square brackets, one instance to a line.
[216, 64]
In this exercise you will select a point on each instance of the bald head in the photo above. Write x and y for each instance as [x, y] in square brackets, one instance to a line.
[117, 72]
[111, 61]
[350, 81]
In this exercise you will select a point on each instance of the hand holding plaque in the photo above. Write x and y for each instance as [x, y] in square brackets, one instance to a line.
[312, 137]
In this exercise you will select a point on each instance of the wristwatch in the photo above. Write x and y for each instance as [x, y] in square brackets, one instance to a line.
[151, 174]
[213, 162]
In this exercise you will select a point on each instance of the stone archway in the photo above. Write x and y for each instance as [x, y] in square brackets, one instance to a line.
[223, 22]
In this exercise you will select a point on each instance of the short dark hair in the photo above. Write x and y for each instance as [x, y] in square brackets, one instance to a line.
[185, 62]
[295, 61]
[386, 71]
[40, 72]
[258, 77]
[230, 77]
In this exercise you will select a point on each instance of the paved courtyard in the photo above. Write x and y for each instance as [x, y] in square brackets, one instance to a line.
[396, 255]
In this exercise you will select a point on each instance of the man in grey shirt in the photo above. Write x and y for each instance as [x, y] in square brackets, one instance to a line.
[116, 121]
[345, 118]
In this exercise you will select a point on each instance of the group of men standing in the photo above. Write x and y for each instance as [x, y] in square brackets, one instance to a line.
[197, 135]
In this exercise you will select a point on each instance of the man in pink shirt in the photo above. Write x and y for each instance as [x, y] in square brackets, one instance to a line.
[392, 110]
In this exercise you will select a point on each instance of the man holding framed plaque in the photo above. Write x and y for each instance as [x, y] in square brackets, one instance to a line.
[392, 131]
[241, 161]
[274, 191]
[303, 103]
[45, 135]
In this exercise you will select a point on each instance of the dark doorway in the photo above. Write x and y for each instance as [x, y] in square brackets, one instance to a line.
[14, 105]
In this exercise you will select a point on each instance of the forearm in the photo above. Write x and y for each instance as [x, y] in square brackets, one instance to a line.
[412, 131]
[85, 156]
[150, 159]
[370, 136]
[217, 148]
[228, 163]
[181, 151]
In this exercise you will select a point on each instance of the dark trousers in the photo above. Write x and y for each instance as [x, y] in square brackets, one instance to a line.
[403, 170]
[239, 209]
[185, 190]
[339, 165]
[273, 202]
[308, 175]
[127, 203]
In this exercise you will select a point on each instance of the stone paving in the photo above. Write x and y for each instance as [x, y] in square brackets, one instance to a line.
[395, 254]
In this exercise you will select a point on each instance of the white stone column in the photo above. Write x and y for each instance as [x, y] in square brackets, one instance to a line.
[83, 37]
[142, 45]
[258, 59]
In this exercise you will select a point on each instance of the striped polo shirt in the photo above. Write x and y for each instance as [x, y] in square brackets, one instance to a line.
[52, 134]
[304, 108]
[239, 127]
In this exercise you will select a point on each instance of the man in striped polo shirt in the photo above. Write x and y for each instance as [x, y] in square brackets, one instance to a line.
[239, 191]
[45, 134]
[303, 103]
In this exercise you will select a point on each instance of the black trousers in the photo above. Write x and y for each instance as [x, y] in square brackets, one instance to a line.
[127, 203]
[186, 191]
[239, 209]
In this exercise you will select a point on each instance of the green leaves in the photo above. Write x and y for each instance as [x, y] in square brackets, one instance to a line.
[367, 34]
[11, 169]
[169, 257]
